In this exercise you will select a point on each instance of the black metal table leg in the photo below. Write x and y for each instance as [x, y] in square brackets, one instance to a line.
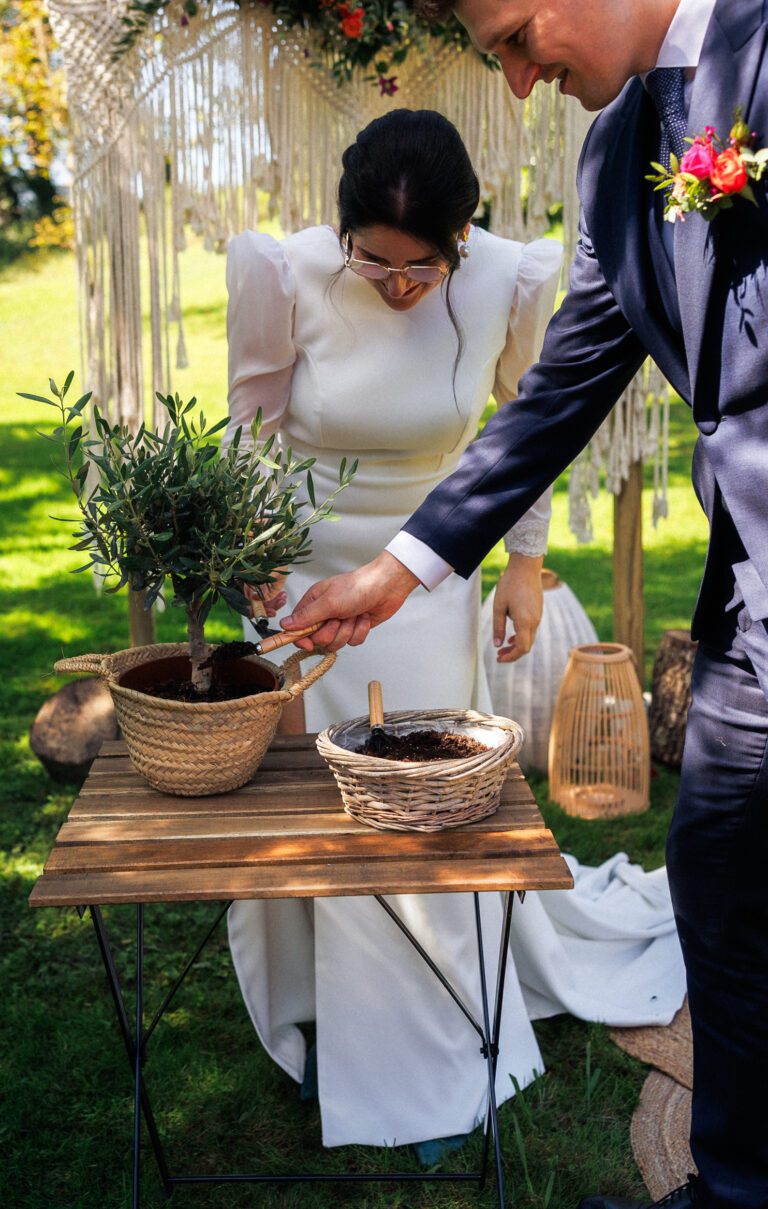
[489, 1036]
[491, 1052]
[509, 900]
[130, 1046]
[135, 1045]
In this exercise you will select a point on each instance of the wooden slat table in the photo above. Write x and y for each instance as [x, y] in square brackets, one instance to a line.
[283, 835]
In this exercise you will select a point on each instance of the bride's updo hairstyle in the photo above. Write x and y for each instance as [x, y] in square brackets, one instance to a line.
[410, 171]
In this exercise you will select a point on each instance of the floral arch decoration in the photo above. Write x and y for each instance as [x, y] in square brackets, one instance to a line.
[211, 102]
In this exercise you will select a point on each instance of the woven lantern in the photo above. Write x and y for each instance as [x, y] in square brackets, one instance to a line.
[599, 759]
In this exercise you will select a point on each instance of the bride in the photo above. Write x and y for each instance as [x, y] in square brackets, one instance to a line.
[381, 340]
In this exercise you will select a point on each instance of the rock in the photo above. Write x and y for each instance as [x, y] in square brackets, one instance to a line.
[70, 728]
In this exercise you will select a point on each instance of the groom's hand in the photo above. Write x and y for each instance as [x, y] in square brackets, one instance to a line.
[352, 604]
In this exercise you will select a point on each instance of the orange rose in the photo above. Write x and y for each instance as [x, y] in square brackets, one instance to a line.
[728, 172]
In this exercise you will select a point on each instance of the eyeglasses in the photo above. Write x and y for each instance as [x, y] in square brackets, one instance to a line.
[426, 274]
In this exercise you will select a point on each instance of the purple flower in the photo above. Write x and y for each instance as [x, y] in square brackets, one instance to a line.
[387, 86]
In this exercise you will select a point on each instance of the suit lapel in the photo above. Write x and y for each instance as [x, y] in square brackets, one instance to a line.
[726, 77]
[618, 208]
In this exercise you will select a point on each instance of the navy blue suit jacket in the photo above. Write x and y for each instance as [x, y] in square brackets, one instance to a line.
[704, 322]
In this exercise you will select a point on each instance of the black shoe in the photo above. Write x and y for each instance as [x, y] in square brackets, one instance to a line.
[683, 1197]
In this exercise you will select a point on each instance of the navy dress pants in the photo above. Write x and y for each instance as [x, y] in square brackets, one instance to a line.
[717, 859]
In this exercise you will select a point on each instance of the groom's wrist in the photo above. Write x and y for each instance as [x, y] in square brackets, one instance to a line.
[417, 557]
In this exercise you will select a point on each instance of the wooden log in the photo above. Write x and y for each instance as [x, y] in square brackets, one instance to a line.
[71, 726]
[628, 611]
[671, 696]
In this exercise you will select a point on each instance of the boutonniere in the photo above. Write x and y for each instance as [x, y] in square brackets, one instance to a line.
[711, 173]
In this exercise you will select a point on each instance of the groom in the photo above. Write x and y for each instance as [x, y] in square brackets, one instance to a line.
[694, 297]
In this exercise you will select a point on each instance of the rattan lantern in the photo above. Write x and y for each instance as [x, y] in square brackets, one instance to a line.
[599, 758]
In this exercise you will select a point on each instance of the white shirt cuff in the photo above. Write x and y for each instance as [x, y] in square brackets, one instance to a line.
[427, 566]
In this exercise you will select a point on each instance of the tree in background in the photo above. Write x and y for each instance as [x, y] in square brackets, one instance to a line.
[33, 114]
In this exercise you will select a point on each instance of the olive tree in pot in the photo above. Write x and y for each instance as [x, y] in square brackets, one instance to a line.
[159, 508]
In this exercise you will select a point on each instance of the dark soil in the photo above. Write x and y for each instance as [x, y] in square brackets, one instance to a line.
[421, 746]
[183, 690]
[227, 651]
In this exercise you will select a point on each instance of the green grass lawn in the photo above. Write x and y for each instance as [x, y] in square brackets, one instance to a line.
[65, 1121]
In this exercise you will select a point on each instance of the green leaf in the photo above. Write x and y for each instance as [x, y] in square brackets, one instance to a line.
[311, 489]
[36, 398]
[67, 383]
[748, 194]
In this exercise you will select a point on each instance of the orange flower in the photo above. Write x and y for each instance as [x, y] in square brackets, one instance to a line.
[351, 21]
[728, 173]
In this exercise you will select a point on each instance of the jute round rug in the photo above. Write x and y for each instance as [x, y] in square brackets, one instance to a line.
[659, 1134]
[669, 1048]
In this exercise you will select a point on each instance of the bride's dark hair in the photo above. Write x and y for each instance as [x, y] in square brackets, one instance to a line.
[409, 170]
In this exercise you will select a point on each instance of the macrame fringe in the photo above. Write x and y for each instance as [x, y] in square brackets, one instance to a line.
[207, 118]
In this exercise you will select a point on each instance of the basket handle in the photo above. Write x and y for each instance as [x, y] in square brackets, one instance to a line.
[291, 666]
[80, 663]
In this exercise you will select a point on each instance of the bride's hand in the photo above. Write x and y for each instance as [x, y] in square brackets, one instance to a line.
[268, 599]
[519, 597]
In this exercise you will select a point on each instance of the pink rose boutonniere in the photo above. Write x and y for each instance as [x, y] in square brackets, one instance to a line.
[711, 173]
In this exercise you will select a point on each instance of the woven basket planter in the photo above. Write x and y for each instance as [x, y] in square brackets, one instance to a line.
[197, 748]
[396, 795]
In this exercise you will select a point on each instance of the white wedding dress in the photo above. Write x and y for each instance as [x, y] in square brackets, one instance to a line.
[339, 374]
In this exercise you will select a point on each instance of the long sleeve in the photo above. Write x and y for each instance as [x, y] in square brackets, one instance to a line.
[535, 292]
[590, 354]
[259, 333]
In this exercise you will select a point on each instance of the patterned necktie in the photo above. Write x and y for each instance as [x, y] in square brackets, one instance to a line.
[666, 88]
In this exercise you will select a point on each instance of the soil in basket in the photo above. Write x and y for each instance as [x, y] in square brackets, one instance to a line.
[423, 745]
[183, 690]
[233, 677]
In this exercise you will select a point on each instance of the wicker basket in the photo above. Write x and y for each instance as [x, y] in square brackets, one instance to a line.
[196, 748]
[396, 795]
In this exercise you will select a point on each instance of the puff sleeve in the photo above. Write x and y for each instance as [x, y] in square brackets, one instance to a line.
[532, 307]
[260, 311]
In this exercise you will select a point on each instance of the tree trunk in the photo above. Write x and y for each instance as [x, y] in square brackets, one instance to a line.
[628, 621]
[198, 651]
[141, 621]
[671, 696]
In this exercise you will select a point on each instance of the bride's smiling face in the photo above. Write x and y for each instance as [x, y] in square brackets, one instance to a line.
[394, 249]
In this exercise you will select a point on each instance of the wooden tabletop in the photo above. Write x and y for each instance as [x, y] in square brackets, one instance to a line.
[283, 835]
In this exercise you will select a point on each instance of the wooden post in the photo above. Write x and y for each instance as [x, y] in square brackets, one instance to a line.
[628, 610]
[141, 622]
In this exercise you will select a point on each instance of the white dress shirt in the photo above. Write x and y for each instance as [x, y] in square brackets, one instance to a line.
[685, 36]
[681, 48]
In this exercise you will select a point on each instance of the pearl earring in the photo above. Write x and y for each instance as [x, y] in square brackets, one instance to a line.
[464, 243]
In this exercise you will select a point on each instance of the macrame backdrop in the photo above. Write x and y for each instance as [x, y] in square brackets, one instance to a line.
[202, 114]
